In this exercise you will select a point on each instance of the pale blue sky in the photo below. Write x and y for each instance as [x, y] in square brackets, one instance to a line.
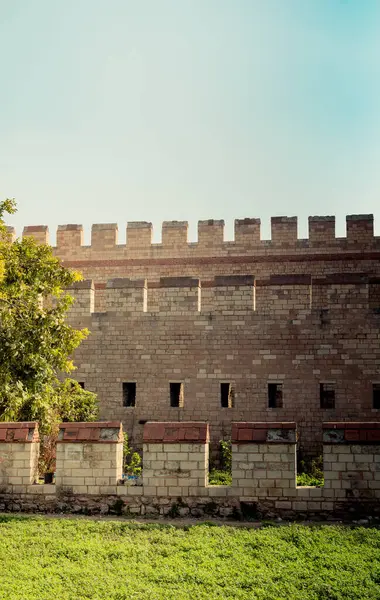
[120, 110]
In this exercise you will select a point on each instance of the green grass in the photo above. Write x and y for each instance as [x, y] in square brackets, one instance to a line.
[219, 477]
[73, 559]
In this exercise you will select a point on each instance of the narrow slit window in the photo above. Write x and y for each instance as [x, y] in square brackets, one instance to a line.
[176, 394]
[376, 395]
[129, 394]
[327, 395]
[227, 395]
[275, 395]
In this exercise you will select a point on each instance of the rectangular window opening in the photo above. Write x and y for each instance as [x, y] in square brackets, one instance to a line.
[376, 395]
[81, 383]
[129, 394]
[327, 395]
[227, 395]
[275, 395]
[176, 394]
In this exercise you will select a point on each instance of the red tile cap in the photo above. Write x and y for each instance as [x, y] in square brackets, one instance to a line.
[172, 433]
[23, 432]
[110, 432]
[255, 432]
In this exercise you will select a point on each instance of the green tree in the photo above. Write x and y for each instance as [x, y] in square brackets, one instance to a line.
[35, 341]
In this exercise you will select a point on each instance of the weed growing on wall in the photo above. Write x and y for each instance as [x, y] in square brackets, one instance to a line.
[131, 459]
[223, 476]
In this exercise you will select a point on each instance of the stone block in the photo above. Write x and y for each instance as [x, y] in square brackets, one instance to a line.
[175, 491]
[298, 505]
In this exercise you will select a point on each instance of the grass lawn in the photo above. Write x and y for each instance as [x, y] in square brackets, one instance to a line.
[113, 560]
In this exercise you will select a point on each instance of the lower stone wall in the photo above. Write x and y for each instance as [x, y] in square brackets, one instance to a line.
[89, 476]
[307, 503]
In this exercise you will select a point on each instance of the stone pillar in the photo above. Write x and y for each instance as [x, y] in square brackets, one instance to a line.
[83, 293]
[264, 458]
[351, 462]
[89, 457]
[175, 459]
[19, 451]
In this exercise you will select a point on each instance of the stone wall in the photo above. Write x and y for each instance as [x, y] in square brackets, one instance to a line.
[248, 312]
[263, 458]
[174, 235]
[290, 330]
[19, 451]
[175, 473]
[175, 458]
[89, 457]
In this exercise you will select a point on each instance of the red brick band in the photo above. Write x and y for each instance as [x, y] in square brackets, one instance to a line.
[109, 432]
[19, 432]
[351, 433]
[276, 432]
[214, 260]
[173, 433]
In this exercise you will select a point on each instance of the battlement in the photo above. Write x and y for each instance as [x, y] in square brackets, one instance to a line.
[278, 295]
[284, 238]
[89, 471]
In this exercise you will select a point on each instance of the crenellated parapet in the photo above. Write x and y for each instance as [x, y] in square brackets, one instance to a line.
[230, 295]
[126, 296]
[89, 474]
[211, 242]
[322, 230]
[104, 235]
[174, 234]
[284, 230]
[40, 233]
[83, 293]
[69, 237]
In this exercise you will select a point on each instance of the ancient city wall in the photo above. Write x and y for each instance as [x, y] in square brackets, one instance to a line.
[295, 331]
[297, 313]
[247, 239]
[175, 466]
[320, 254]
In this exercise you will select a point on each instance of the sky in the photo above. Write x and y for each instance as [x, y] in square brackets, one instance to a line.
[153, 110]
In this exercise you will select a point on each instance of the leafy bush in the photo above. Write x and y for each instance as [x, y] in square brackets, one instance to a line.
[48, 448]
[303, 479]
[311, 472]
[71, 403]
[226, 454]
[131, 459]
[222, 476]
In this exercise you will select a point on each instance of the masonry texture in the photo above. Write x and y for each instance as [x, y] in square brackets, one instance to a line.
[175, 472]
[303, 314]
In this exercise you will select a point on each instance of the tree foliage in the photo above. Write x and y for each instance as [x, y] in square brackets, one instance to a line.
[36, 342]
